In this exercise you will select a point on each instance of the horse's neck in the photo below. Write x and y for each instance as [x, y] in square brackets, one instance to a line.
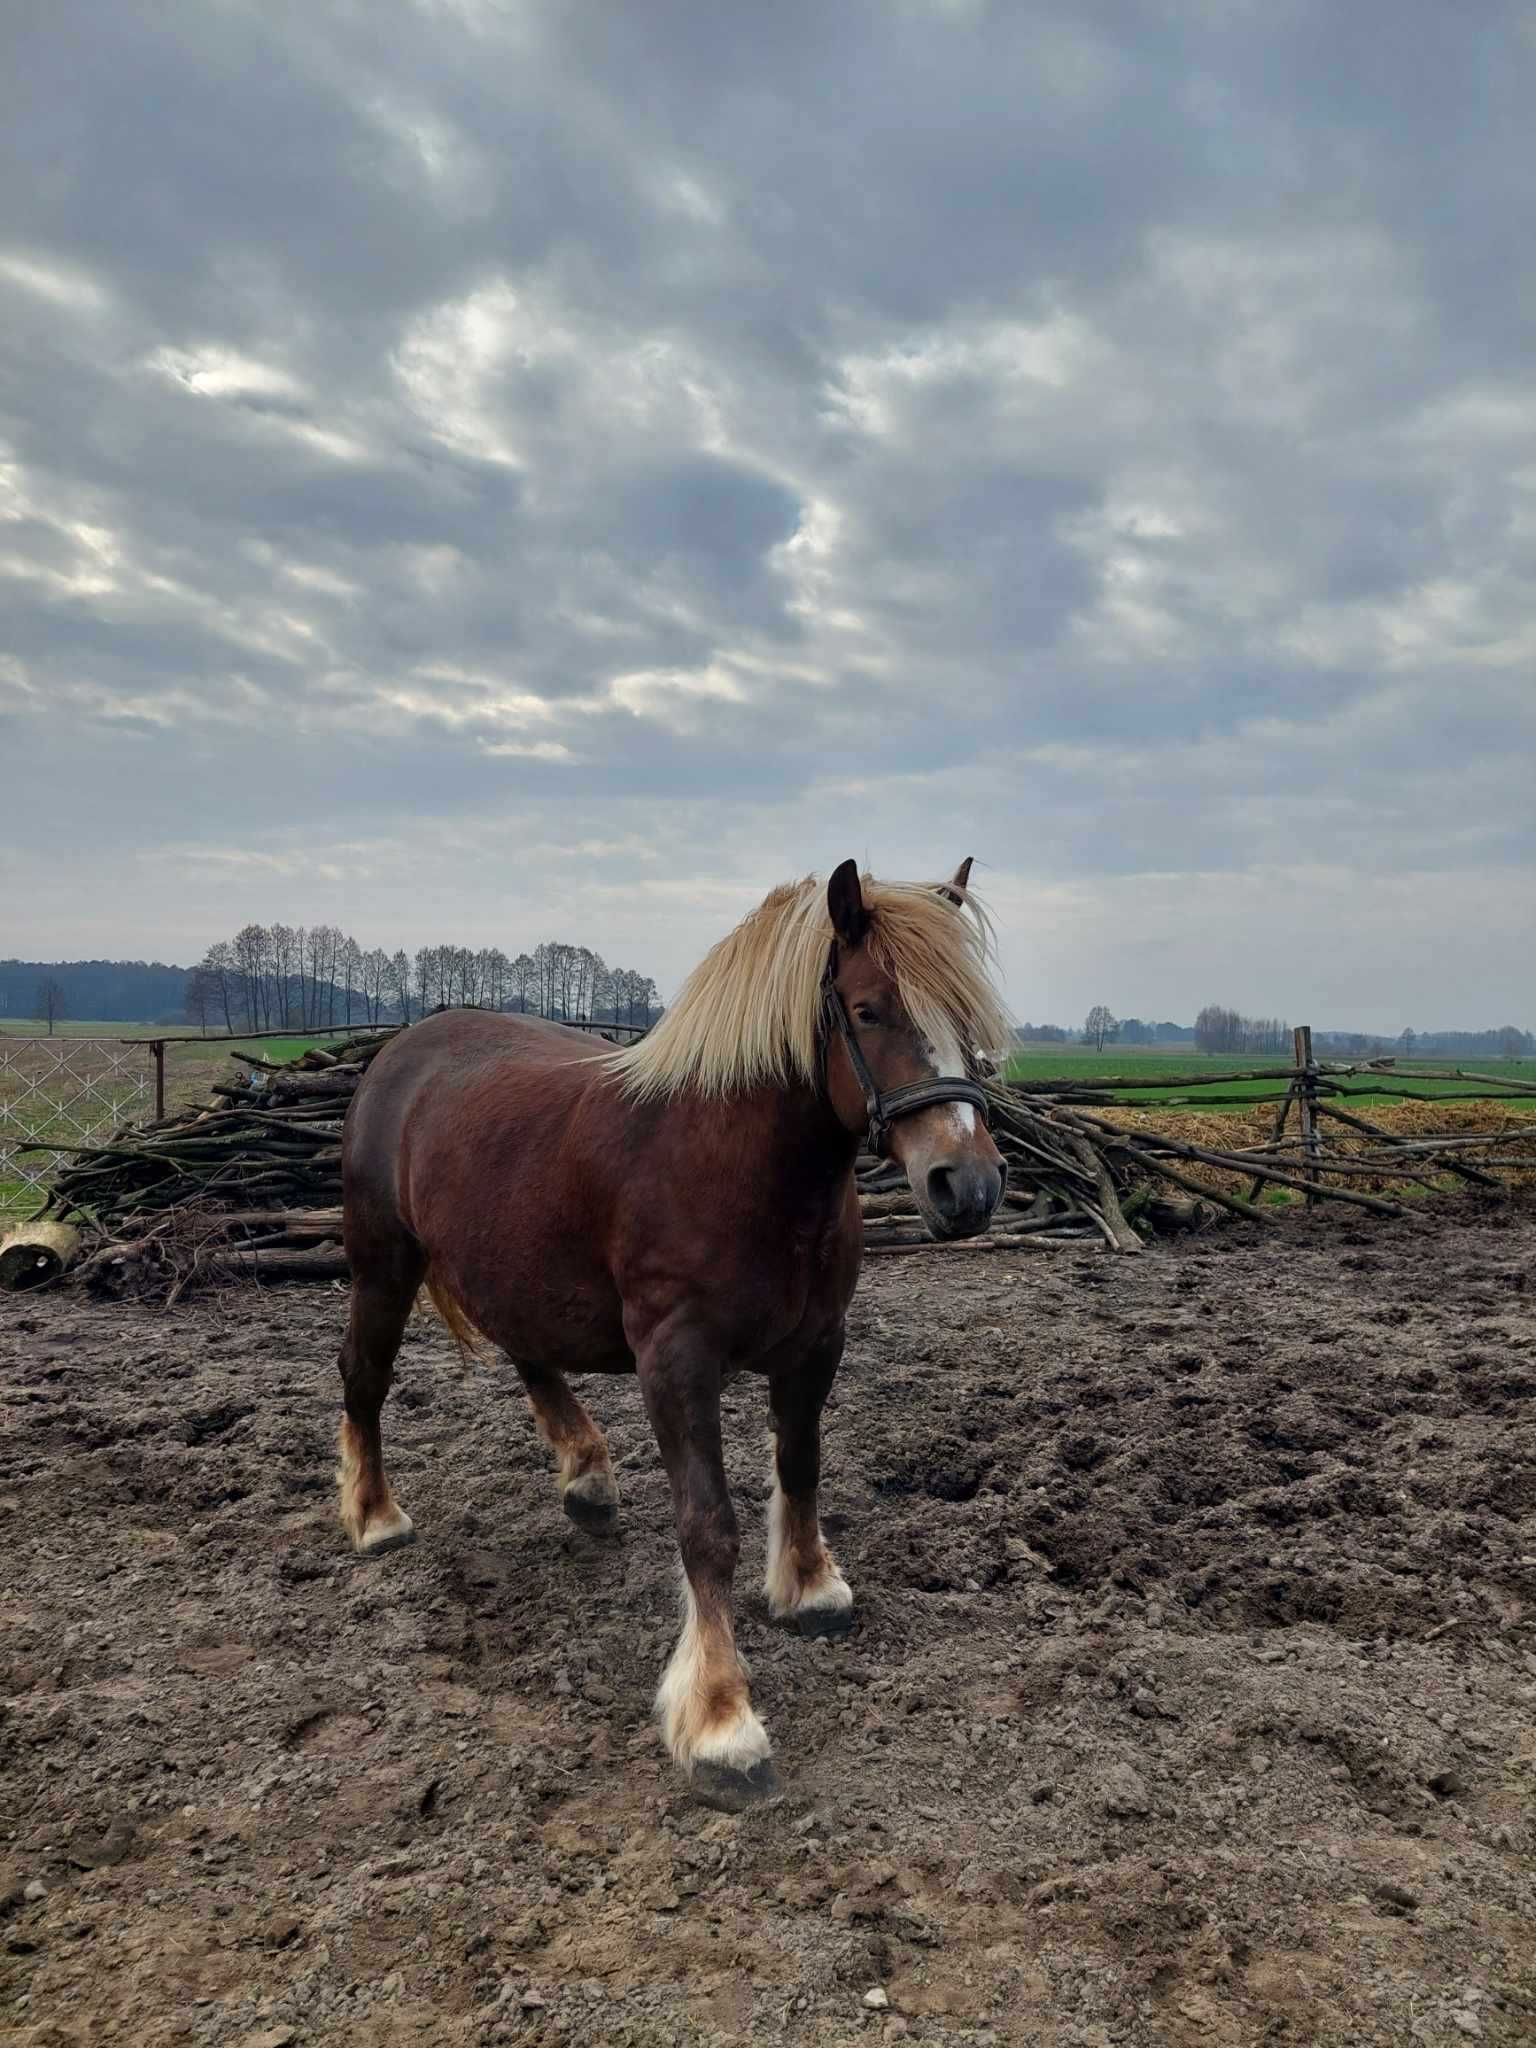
[790, 1135]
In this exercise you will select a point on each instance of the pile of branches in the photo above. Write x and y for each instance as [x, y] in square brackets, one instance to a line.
[269, 1141]
[162, 1257]
[1077, 1176]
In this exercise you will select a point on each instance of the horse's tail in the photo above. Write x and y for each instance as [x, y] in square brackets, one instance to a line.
[469, 1340]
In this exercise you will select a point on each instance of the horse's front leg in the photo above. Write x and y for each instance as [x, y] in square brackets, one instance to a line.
[803, 1582]
[703, 1699]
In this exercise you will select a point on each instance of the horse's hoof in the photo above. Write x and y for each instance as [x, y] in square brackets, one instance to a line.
[733, 1791]
[387, 1536]
[824, 1621]
[596, 1512]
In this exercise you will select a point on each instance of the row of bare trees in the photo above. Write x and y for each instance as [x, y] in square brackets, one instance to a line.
[318, 978]
[1222, 1030]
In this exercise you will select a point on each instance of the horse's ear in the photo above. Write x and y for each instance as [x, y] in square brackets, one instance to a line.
[845, 901]
[955, 890]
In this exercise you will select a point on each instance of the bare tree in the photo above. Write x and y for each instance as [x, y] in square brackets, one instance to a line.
[1100, 1025]
[400, 982]
[496, 968]
[351, 973]
[523, 982]
[219, 981]
[636, 995]
[250, 949]
[201, 996]
[468, 976]
[1511, 1041]
[545, 972]
[331, 944]
[603, 1006]
[375, 982]
[287, 961]
[50, 1002]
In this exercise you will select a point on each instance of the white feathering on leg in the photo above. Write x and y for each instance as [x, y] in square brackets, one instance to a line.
[781, 1582]
[739, 1741]
[384, 1526]
[787, 1593]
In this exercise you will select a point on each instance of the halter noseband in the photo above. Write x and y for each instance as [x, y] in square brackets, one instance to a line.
[884, 1108]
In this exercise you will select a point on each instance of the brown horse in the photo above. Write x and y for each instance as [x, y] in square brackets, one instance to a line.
[681, 1210]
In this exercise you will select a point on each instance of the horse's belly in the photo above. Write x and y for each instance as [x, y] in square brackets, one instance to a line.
[551, 1304]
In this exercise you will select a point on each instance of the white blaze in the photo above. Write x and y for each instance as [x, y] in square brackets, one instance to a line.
[949, 1061]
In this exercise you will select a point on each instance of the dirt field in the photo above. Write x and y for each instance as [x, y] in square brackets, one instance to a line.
[1191, 1699]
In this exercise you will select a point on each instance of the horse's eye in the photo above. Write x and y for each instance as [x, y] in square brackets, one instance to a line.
[865, 1014]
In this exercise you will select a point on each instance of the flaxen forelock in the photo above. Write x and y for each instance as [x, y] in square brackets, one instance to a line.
[749, 1015]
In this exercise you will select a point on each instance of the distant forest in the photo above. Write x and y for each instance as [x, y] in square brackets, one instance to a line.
[116, 991]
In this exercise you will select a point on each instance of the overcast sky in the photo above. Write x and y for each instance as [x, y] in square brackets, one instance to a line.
[495, 469]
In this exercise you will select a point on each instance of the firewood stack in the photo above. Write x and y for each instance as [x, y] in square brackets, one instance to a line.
[270, 1139]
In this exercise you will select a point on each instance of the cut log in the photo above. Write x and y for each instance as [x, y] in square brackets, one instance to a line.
[279, 1265]
[33, 1254]
[288, 1086]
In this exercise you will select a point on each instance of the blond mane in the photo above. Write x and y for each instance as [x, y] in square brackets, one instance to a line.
[749, 1015]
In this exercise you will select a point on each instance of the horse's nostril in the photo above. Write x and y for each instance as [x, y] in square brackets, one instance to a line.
[962, 1197]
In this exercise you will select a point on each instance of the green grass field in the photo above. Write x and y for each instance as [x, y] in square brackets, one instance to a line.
[91, 1027]
[1081, 1063]
[274, 1049]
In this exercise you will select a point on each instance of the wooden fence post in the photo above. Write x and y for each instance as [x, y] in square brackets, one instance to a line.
[1306, 1097]
[157, 1048]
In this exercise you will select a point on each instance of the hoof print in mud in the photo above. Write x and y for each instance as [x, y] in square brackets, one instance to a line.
[733, 1791]
[825, 1621]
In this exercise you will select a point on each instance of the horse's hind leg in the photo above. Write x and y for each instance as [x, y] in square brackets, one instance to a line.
[803, 1582]
[583, 1467]
[379, 1311]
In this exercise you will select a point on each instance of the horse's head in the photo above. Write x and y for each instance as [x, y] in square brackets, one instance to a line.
[877, 1049]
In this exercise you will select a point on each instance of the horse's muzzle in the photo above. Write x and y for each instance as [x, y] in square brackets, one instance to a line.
[958, 1198]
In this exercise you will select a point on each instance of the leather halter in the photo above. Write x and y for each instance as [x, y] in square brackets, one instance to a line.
[884, 1107]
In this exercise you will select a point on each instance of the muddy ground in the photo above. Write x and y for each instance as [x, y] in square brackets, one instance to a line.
[1191, 1698]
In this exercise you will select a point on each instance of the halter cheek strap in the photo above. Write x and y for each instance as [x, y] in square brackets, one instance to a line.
[885, 1107]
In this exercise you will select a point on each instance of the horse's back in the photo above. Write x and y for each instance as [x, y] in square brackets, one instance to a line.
[449, 1083]
[459, 1038]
